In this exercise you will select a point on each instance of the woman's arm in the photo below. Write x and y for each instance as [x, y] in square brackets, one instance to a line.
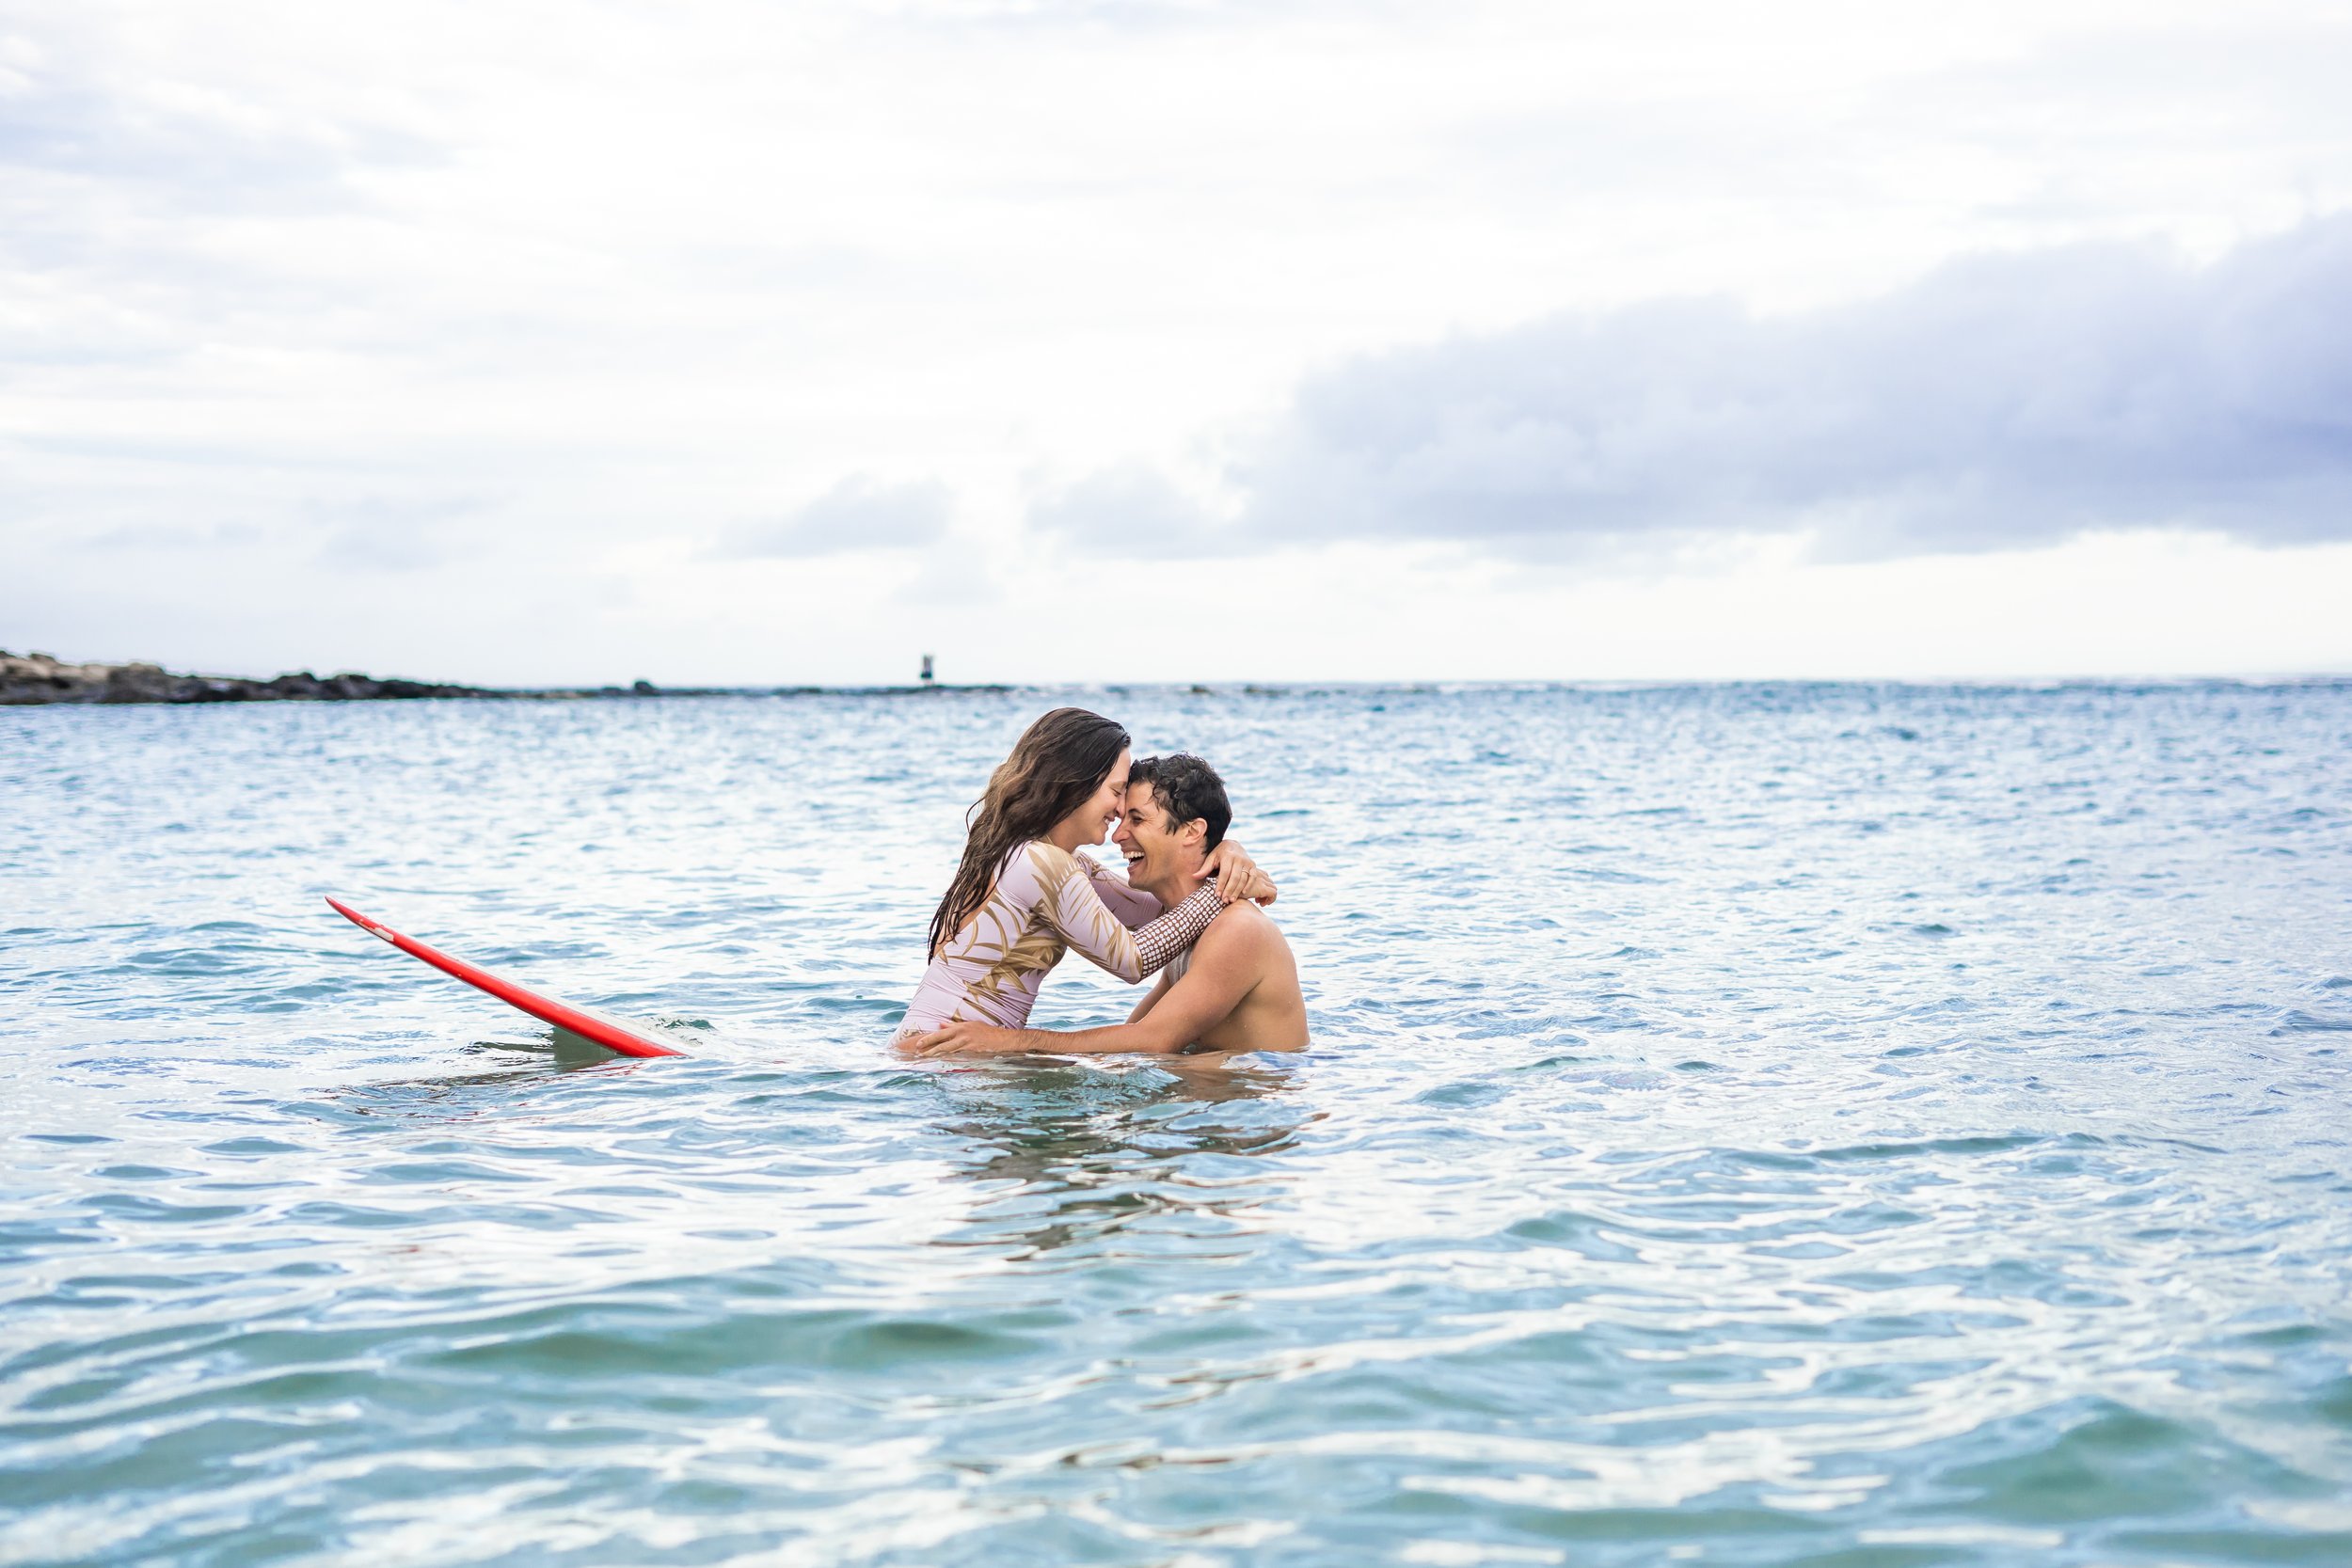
[1237, 876]
[1069, 904]
[1129, 905]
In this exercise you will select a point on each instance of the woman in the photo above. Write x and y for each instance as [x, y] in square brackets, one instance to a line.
[1023, 896]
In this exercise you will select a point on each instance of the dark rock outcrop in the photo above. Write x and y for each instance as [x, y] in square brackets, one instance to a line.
[41, 678]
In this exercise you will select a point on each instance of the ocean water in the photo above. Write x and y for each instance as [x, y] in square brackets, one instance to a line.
[1746, 1125]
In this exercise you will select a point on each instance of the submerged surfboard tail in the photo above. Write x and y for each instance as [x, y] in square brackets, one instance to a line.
[612, 1036]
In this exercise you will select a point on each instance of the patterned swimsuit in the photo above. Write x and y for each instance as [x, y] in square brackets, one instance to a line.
[1047, 902]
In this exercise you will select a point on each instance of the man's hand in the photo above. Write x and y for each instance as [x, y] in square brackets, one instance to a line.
[964, 1037]
[1237, 876]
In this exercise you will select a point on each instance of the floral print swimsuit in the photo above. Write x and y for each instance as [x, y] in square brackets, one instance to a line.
[1047, 901]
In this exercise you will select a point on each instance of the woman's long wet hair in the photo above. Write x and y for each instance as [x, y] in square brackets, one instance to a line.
[1055, 765]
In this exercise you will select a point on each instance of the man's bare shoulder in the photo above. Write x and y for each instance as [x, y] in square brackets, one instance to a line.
[1241, 932]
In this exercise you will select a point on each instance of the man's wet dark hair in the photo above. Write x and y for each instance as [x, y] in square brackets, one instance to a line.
[1186, 787]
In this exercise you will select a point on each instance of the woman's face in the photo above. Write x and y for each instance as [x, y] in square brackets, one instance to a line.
[1092, 822]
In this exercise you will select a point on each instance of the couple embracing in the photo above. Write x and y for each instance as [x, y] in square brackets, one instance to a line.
[1187, 910]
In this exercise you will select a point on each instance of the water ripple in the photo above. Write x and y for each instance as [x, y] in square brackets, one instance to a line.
[1748, 1125]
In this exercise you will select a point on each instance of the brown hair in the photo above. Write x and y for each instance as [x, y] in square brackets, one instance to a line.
[1057, 762]
[1186, 789]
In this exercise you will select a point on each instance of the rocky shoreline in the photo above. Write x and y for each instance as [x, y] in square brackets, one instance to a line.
[28, 678]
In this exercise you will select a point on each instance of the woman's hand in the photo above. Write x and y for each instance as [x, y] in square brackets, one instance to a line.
[1237, 876]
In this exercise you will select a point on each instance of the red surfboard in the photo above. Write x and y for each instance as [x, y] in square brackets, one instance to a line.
[611, 1035]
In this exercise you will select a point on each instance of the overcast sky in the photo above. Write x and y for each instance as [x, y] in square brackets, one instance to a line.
[540, 342]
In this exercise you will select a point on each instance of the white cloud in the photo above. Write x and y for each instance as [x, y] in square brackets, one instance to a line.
[633, 276]
[2000, 402]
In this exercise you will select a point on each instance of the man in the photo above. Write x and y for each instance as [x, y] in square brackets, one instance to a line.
[1237, 989]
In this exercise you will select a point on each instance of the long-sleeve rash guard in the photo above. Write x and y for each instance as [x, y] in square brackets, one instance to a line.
[1047, 902]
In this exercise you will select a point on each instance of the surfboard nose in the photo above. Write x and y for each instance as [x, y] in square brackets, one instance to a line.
[355, 917]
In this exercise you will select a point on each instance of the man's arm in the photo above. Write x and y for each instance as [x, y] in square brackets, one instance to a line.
[1152, 998]
[1223, 973]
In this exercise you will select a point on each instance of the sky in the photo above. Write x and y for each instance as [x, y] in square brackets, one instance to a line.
[732, 343]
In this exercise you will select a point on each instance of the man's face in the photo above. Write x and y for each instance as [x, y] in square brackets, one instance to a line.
[1157, 853]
